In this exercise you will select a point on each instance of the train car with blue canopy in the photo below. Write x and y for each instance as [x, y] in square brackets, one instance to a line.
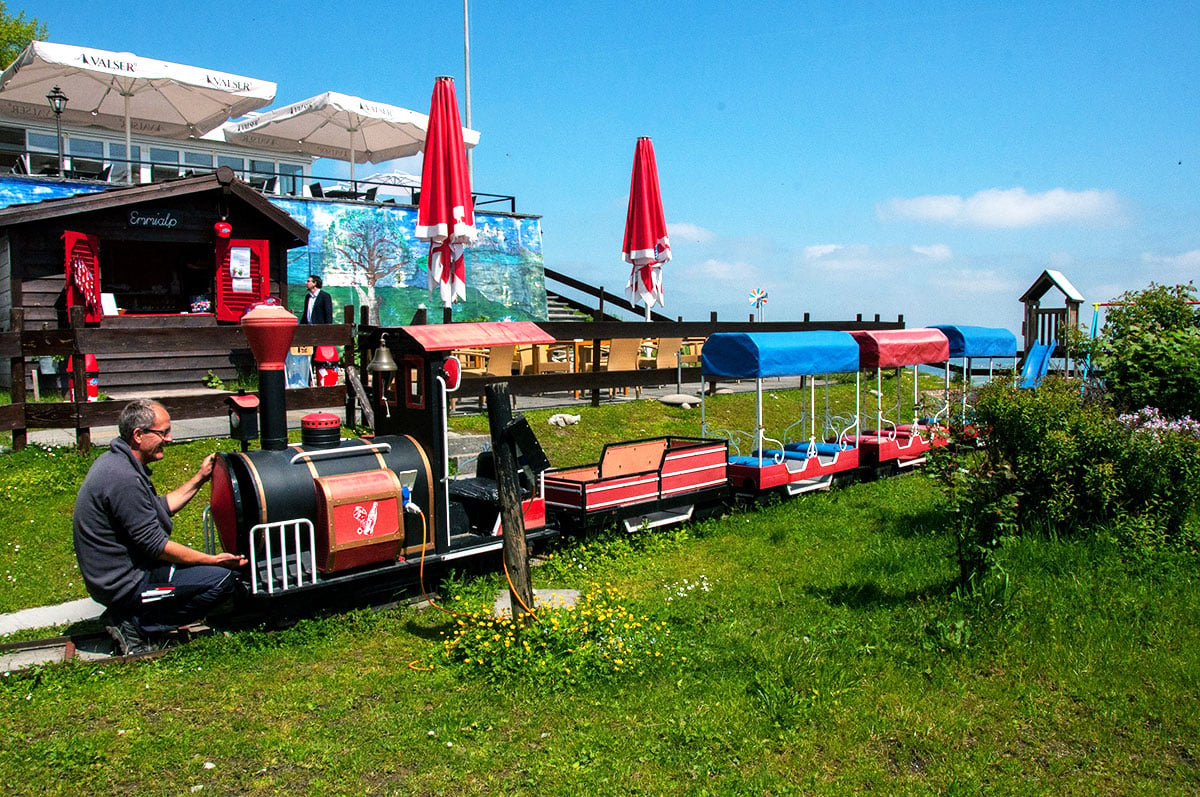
[803, 458]
[976, 343]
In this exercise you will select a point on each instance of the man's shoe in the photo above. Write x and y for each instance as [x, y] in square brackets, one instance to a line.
[127, 634]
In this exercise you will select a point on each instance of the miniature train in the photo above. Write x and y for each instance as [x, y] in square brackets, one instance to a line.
[332, 512]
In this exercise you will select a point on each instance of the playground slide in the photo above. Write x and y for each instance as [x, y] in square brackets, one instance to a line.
[1037, 363]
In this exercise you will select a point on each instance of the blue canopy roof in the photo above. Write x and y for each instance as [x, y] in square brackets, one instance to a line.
[979, 341]
[741, 355]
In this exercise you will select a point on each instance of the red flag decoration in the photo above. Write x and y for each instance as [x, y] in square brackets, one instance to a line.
[446, 214]
[647, 246]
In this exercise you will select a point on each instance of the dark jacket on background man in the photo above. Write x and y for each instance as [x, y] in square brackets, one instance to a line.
[322, 309]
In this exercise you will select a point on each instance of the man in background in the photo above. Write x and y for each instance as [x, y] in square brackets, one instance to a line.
[148, 583]
[318, 306]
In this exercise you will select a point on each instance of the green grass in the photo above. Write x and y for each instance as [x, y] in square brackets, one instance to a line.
[827, 654]
[815, 646]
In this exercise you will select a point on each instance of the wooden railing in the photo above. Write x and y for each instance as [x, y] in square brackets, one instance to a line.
[593, 333]
[20, 345]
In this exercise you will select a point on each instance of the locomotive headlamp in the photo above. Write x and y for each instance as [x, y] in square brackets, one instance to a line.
[452, 373]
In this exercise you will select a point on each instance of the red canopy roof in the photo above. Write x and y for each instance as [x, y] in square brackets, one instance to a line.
[890, 348]
[444, 337]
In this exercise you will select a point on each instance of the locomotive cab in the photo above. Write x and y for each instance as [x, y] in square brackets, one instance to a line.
[416, 401]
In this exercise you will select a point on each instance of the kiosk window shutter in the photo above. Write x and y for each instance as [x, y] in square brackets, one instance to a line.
[242, 276]
[82, 262]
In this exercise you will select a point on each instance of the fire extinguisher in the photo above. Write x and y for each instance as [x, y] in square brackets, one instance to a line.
[91, 369]
[325, 362]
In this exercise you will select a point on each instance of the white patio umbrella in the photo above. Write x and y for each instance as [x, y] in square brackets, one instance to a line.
[123, 91]
[338, 126]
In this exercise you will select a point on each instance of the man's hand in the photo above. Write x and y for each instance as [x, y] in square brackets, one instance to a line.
[206, 468]
[230, 560]
[178, 498]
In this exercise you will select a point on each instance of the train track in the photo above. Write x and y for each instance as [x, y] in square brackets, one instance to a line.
[97, 646]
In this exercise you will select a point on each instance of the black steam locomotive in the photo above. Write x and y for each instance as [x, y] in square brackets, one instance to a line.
[332, 511]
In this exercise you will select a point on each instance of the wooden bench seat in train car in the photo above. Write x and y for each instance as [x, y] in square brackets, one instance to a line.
[628, 473]
[632, 475]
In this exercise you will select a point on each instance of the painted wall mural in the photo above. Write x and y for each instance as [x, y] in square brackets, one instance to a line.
[24, 190]
[369, 256]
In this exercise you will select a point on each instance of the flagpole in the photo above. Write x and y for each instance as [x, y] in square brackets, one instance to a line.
[467, 86]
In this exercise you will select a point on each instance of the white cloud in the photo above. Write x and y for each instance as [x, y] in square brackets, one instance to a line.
[854, 260]
[820, 250]
[1188, 261]
[975, 283]
[713, 271]
[1007, 208]
[934, 251]
[683, 231]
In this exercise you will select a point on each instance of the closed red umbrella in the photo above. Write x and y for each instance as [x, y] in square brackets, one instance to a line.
[445, 214]
[647, 246]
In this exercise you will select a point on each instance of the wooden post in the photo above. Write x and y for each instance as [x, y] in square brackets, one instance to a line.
[363, 352]
[20, 437]
[447, 316]
[512, 520]
[348, 359]
[83, 434]
[596, 350]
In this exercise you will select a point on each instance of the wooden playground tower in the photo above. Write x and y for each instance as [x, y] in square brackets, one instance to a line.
[1047, 324]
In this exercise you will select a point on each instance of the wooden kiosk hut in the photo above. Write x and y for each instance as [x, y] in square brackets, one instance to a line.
[1046, 324]
[192, 253]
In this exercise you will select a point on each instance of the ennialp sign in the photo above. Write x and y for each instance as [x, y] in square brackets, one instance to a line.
[162, 219]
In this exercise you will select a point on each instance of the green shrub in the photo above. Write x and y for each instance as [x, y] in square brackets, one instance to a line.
[1077, 468]
[1149, 350]
[982, 497]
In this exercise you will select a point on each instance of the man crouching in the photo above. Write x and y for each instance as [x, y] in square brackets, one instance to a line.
[148, 583]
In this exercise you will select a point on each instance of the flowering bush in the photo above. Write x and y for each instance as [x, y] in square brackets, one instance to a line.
[599, 638]
[1076, 466]
[1150, 421]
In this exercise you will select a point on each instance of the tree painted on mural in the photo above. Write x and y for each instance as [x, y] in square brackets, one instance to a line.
[365, 249]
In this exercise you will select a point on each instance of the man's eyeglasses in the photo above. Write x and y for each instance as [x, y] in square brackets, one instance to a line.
[160, 432]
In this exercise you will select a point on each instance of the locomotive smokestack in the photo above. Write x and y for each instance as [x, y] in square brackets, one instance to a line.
[269, 330]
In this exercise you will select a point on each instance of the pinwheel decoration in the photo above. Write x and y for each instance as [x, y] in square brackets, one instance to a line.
[758, 297]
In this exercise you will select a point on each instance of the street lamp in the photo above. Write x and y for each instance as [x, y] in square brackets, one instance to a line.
[58, 104]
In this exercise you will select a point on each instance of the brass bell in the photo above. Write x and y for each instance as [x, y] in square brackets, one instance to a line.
[382, 362]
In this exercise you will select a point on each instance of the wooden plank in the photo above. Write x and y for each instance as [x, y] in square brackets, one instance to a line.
[63, 415]
[551, 383]
[12, 416]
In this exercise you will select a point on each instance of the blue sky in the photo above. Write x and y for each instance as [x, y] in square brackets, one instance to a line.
[876, 157]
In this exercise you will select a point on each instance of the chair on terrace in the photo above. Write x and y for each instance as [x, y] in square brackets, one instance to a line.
[500, 362]
[664, 354]
[623, 356]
